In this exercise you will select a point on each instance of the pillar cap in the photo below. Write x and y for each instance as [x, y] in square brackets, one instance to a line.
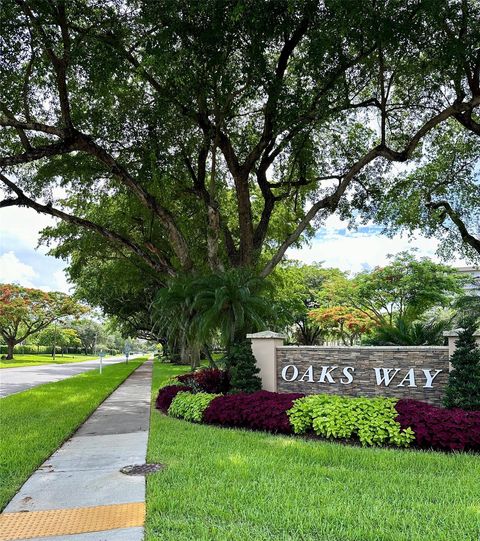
[455, 332]
[266, 335]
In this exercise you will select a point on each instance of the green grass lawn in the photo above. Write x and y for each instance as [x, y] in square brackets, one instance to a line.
[34, 423]
[34, 359]
[222, 484]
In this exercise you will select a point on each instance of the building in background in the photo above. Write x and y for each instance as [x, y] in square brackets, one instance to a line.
[472, 288]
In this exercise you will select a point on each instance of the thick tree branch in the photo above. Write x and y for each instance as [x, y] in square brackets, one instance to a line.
[467, 237]
[468, 122]
[10, 121]
[20, 130]
[38, 153]
[331, 201]
[23, 200]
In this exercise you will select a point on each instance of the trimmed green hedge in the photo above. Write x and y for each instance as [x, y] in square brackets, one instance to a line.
[190, 406]
[371, 420]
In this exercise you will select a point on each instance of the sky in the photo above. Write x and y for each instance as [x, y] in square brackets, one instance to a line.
[24, 263]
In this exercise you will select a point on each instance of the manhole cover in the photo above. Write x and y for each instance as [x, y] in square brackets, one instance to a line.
[141, 469]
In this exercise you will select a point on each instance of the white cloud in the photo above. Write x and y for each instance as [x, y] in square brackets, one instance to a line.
[359, 250]
[23, 225]
[61, 282]
[12, 270]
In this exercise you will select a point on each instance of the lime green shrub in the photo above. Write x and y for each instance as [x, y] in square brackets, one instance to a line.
[190, 406]
[371, 420]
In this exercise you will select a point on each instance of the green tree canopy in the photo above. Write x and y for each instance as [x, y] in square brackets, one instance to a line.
[218, 133]
[56, 336]
[440, 197]
[26, 311]
[405, 288]
[297, 290]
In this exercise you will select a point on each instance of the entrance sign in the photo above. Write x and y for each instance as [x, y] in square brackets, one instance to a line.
[420, 373]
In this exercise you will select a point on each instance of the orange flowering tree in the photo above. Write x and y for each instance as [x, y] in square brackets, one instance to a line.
[25, 311]
[343, 322]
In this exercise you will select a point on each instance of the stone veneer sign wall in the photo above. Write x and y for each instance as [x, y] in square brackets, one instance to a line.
[420, 373]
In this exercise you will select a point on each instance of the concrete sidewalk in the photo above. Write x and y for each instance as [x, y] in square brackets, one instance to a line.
[16, 380]
[85, 472]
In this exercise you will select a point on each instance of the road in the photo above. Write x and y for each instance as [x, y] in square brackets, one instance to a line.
[16, 380]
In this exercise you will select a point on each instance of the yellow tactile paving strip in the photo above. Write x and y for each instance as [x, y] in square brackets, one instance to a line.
[25, 525]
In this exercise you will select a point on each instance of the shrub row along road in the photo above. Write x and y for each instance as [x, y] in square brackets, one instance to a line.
[16, 380]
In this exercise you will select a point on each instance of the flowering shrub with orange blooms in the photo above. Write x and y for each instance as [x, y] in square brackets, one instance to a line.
[344, 322]
[25, 311]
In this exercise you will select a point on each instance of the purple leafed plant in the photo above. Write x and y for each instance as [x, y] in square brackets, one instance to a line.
[167, 394]
[440, 428]
[261, 410]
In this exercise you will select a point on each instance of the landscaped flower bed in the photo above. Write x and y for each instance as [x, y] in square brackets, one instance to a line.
[370, 421]
[440, 428]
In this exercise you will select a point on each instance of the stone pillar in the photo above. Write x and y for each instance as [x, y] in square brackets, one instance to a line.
[264, 345]
[452, 339]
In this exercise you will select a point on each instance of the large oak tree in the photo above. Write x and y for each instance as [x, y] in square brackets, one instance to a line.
[173, 137]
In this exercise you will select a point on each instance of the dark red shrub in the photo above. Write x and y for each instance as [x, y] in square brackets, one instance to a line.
[213, 380]
[440, 428]
[207, 380]
[167, 394]
[185, 378]
[261, 410]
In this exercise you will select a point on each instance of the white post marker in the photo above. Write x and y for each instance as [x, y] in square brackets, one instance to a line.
[127, 352]
[102, 355]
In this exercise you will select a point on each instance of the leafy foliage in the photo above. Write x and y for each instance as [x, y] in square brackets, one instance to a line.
[398, 297]
[405, 333]
[220, 134]
[56, 336]
[207, 380]
[463, 389]
[243, 368]
[440, 428]
[371, 420]
[261, 410]
[26, 311]
[406, 288]
[167, 394]
[297, 290]
[343, 322]
[190, 406]
[193, 310]
[441, 197]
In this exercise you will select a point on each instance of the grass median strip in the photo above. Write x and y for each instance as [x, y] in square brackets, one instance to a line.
[251, 486]
[34, 423]
[40, 359]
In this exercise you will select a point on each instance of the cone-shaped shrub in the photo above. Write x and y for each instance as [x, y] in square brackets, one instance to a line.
[463, 389]
[243, 368]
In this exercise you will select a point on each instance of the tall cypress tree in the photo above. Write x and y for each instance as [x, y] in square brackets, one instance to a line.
[243, 368]
[463, 389]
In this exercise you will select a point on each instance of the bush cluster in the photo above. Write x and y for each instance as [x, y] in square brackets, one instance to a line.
[370, 420]
[463, 390]
[167, 394]
[207, 380]
[243, 367]
[190, 406]
[440, 428]
[261, 410]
